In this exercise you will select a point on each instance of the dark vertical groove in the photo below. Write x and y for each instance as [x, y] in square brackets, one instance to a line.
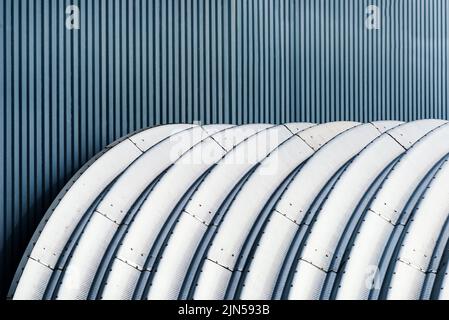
[3, 180]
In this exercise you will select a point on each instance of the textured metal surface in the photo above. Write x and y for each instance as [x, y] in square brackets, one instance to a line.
[221, 227]
[65, 94]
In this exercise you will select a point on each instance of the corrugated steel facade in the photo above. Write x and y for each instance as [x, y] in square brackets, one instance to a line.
[65, 94]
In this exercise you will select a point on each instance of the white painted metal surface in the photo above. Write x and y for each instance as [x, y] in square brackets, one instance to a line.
[204, 204]
[417, 252]
[142, 232]
[216, 210]
[332, 221]
[321, 168]
[296, 200]
[386, 209]
[82, 193]
[254, 195]
[117, 202]
[250, 200]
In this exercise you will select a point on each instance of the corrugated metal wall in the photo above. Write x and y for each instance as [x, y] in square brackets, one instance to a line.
[65, 94]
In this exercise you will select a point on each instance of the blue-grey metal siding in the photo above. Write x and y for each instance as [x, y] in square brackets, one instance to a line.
[65, 94]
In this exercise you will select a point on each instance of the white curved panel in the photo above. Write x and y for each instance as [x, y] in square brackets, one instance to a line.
[333, 218]
[78, 199]
[228, 139]
[264, 270]
[235, 226]
[296, 200]
[204, 204]
[231, 169]
[207, 199]
[417, 251]
[162, 200]
[311, 278]
[363, 264]
[321, 168]
[408, 134]
[85, 189]
[316, 137]
[130, 185]
[182, 211]
[388, 205]
[402, 288]
[346, 194]
[252, 197]
[84, 263]
[117, 289]
[33, 281]
[88, 254]
[173, 266]
[212, 129]
[216, 286]
[384, 126]
[400, 185]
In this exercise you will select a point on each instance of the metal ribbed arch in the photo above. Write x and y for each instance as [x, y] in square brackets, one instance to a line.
[327, 231]
[415, 140]
[143, 145]
[229, 239]
[421, 268]
[435, 269]
[88, 256]
[324, 152]
[237, 288]
[332, 281]
[142, 245]
[156, 155]
[90, 181]
[383, 215]
[293, 258]
[221, 212]
[65, 94]
[149, 281]
[236, 282]
[223, 253]
[403, 136]
[109, 198]
[154, 254]
[102, 275]
[118, 292]
[390, 256]
[432, 286]
[308, 201]
[220, 176]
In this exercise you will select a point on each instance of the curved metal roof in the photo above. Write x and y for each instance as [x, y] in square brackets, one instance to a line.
[340, 210]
